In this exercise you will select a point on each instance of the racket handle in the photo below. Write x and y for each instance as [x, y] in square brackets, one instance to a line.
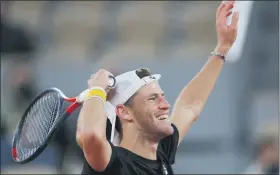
[84, 95]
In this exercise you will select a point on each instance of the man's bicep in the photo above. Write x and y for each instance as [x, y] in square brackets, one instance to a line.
[183, 118]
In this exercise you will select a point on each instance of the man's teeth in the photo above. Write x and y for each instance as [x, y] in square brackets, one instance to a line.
[162, 117]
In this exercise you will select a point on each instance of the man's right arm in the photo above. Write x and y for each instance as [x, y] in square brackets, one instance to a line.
[91, 128]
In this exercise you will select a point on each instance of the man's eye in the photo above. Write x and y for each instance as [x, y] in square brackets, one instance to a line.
[152, 98]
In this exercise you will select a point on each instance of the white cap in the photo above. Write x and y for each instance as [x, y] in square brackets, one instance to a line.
[127, 84]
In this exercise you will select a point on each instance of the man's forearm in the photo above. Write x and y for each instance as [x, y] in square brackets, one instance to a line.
[92, 120]
[197, 91]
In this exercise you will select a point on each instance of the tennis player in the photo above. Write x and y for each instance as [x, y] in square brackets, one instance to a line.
[148, 136]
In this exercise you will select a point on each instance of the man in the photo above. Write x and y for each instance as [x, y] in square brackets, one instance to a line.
[148, 137]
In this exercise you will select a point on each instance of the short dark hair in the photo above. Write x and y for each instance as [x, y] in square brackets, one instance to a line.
[141, 73]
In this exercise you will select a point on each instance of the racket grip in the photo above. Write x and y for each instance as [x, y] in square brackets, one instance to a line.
[83, 96]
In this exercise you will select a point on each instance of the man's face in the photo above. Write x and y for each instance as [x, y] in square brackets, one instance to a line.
[151, 111]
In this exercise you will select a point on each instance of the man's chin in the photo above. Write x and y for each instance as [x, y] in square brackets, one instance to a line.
[168, 131]
[171, 131]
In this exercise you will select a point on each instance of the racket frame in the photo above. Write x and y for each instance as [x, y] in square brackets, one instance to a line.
[53, 129]
[76, 102]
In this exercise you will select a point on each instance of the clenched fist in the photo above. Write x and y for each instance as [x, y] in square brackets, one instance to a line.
[100, 78]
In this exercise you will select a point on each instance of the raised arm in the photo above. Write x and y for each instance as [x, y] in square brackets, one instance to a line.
[91, 126]
[193, 97]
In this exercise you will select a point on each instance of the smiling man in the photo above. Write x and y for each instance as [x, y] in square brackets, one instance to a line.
[148, 136]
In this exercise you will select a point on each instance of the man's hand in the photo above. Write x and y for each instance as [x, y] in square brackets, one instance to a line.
[100, 78]
[226, 35]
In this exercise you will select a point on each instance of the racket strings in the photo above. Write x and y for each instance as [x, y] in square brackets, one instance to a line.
[38, 123]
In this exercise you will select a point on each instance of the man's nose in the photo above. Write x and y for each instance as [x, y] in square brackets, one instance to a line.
[164, 105]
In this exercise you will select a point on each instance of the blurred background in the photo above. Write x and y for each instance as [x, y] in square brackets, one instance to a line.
[59, 44]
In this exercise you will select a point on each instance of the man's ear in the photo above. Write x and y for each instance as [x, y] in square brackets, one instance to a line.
[124, 112]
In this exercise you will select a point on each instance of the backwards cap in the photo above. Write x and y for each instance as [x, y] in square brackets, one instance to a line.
[127, 84]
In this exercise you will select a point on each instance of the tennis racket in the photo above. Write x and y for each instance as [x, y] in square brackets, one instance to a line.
[42, 119]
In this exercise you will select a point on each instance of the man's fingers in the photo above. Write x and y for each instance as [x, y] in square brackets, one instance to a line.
[228, 13]
[231, 2]
[225, 13]
[227, 8]
[234, 22]
[219, 10]
[224, 6]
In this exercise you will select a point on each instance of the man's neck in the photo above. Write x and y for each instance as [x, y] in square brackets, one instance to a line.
[141, 145]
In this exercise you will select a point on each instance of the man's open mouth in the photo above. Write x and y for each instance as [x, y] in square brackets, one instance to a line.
[162, 117]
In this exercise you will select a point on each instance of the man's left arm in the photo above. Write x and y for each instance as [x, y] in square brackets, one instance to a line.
[193, 97]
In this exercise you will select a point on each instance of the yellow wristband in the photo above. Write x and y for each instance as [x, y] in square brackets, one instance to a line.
[97, 92]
